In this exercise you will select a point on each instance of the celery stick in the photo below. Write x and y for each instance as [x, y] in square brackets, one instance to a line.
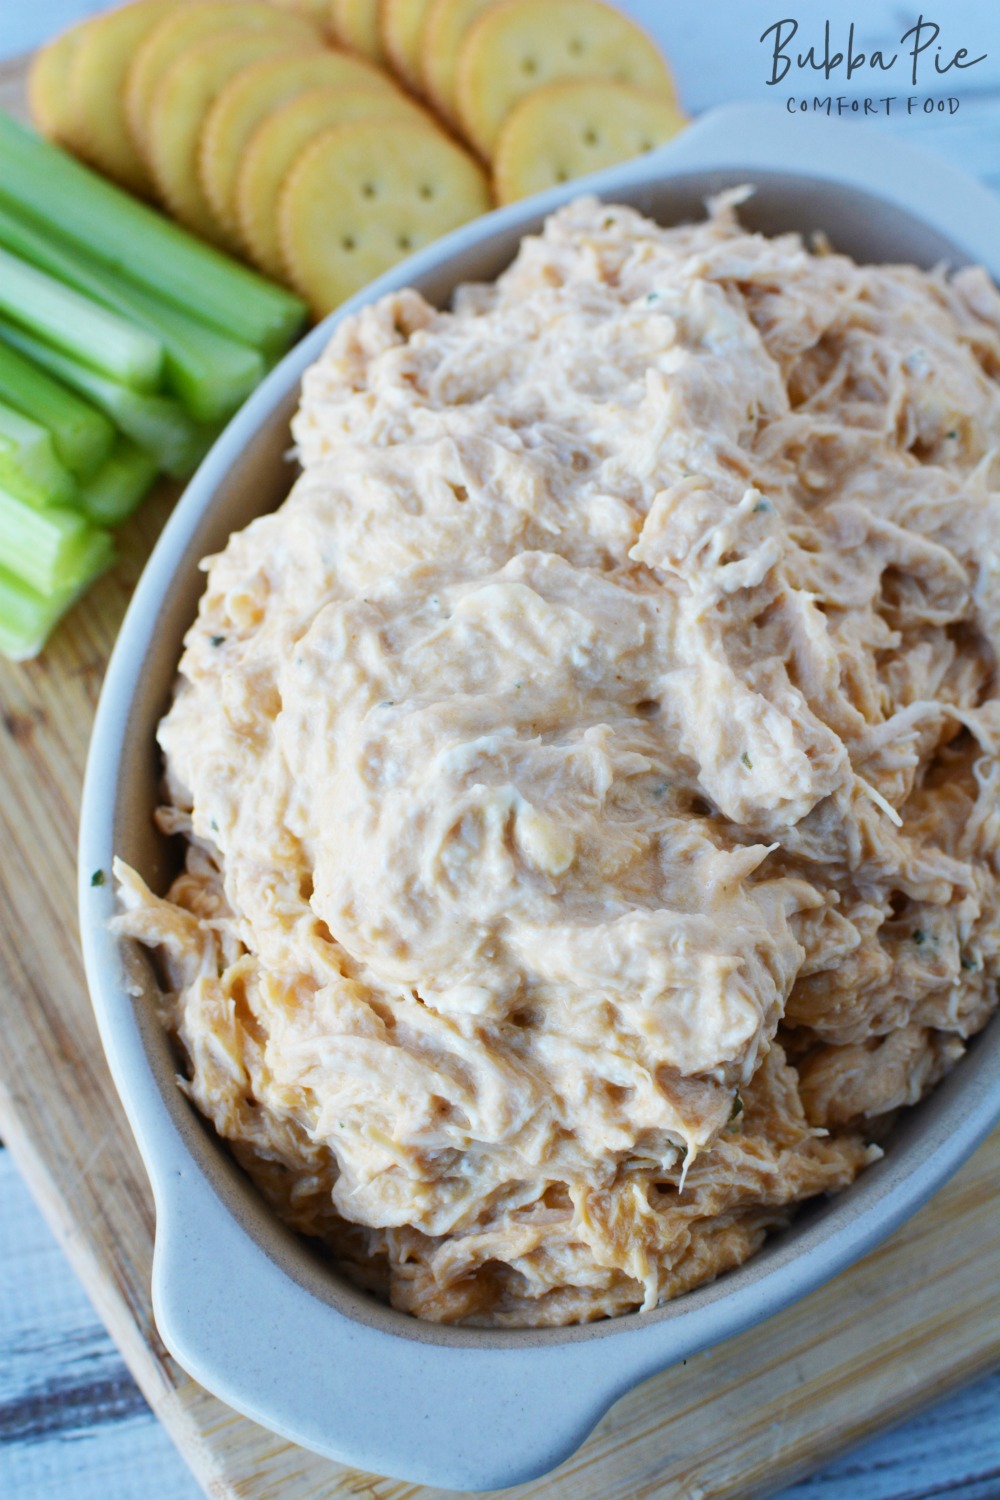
[79, 207]
[79, 327]
[210, 374]
[28, 463]
[28, 618]
[83, 437]
[117, 489]
[47, 549]
[156, 423]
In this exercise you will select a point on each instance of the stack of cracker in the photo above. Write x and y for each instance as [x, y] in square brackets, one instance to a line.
[324, 140]
[542, 93]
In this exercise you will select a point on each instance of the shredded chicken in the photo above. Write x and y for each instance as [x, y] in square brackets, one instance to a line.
[590, 773]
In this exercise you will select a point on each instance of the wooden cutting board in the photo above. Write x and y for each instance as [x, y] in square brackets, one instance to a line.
[901, 1328]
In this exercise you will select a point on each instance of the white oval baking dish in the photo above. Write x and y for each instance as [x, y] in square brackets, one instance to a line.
[246, 1307]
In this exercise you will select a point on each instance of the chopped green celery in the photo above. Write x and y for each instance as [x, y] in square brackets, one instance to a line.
[210, 375]
[47, 549]
[116, 490]
[28, 463]
[27, 618]
[83, 437]
[54, 191]
[96, 337]
[156, 423]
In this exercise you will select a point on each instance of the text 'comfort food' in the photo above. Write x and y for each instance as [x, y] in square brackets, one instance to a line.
[590, 774]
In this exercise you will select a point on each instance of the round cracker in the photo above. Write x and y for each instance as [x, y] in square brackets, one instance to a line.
[49, 98]
[401, 23]
[276, 146]
[363, 196]
[250, 96]
[355, 26]
[97, 89]
[444, 31]
[180, 106]
[576, 126]
[519, 45]
[196, 23]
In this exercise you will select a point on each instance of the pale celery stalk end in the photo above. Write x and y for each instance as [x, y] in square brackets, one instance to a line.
[157, 423]
[28, 462]
[209, 373]
[27, 618]
[120, 486]
[40, 546]
[78, 326]
[83, 437]
[55, 191]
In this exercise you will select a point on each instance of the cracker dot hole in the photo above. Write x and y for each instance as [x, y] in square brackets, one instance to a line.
[348, 242]
[426, 190]
[575, 47]
[369, 190]
[591, 136]
[529, 67]
[404, 242]
[562, 175]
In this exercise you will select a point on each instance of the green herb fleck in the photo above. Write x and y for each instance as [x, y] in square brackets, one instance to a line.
[97, 878]
[217, 640]
[745, 758]
[919, 936]
[737, 1108]
[214, 826]
[661, 788]
[762, 506]
[953, 434]
[968, 962]
[389, 703]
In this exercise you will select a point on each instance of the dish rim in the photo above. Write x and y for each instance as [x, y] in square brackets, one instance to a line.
[524, 1371]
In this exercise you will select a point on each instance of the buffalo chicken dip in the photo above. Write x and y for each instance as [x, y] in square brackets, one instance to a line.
[589, 775]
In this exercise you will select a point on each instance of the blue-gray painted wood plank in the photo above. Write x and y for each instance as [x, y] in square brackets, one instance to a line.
[72, 1420]
[73, 1423]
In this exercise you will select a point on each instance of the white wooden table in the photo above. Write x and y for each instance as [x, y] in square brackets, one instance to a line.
[72, 1422]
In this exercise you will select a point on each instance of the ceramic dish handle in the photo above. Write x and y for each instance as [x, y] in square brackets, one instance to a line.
[455, 1414]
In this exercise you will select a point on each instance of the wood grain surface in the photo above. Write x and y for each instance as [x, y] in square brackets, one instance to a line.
[912, 1320]
[73, 1423]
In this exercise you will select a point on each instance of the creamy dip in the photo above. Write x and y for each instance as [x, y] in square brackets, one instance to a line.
[590, 773]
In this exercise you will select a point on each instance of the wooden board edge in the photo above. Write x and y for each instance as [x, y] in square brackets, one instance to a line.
[187, 1410]
[878, 1422]
[148, 1373]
